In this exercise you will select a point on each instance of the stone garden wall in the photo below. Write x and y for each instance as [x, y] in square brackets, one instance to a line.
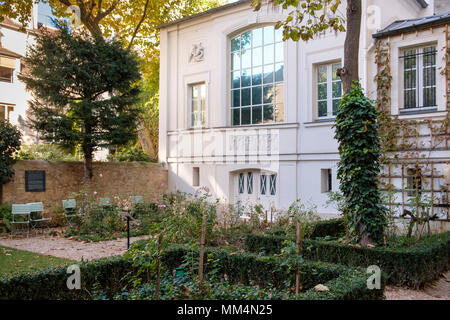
[64, 180]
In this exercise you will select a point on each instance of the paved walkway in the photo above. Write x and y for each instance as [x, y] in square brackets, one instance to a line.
[69, 249]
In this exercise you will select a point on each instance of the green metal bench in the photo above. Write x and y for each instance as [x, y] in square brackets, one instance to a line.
[37, 218]
[20, 217]
[70, 209]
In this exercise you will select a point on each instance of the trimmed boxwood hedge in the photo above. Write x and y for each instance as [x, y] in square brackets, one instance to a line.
[411, 266]
[50, 283]
[324, 228]
[106, 274]
[332, 228]
[247, 268]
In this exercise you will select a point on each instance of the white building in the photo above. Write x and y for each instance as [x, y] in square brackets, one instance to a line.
[14, 42]
[250, 116]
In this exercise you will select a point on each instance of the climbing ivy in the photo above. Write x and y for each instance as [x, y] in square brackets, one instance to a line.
[359, 148]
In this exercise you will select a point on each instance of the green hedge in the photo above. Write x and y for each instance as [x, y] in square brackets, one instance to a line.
[411, 266]
[247, 268]
[332, 228]
[50, 283]
[324, 228]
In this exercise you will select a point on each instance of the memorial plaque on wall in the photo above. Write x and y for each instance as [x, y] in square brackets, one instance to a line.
[34, 181]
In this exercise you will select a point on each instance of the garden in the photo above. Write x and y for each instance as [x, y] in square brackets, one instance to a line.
[199, 248]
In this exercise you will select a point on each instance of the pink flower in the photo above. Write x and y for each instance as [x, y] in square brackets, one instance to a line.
[101, 175]
[162, 205]
[195, 196]
[162, 185]
[95, 192]
[85, 195]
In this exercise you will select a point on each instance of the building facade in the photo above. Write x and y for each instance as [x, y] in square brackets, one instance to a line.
[251, 116]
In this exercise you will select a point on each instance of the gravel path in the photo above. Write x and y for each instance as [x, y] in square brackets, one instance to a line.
[69, 249]
[437, 290]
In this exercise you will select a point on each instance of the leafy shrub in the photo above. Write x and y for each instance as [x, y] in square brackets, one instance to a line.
[128, 154]
[44, 151]
[5, 216]
[410, 266]
[359, 150]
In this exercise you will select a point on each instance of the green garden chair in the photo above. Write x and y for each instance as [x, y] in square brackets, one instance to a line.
[20, 217]
[70, 210]
[105, 202]
[37, 218]
[136, 200]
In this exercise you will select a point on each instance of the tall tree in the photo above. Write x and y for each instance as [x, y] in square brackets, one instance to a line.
[136, 23]
[84, 91]
[9, 145]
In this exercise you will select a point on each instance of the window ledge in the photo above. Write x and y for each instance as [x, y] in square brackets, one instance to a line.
[418, 110]
[321, 123]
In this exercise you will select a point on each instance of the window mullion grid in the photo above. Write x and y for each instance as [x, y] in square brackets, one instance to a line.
[330, 90]
[419, 75]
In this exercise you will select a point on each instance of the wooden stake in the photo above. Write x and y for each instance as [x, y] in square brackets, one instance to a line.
[299, 244]
[158, 267]
[202, 252]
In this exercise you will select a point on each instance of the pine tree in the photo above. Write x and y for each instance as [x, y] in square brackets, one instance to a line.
[84, 91]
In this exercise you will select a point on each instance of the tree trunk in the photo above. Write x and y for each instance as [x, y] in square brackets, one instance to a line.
[1, 193]
[87, 167]
[350, 72]
[146, 141]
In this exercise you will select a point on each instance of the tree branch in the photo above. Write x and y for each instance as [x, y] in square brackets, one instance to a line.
[138, 25]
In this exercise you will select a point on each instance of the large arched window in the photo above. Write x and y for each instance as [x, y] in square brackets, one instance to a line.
[257, 80]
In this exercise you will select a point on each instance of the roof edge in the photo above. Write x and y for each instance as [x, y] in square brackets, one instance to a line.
[435, 23]
[204, 13]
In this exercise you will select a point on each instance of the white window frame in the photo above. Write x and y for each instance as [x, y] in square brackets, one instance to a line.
[279, 115]
[201, 103]
[329, 84]
[420, 105]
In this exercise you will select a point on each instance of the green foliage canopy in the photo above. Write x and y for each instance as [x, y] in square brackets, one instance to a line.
[9, 144]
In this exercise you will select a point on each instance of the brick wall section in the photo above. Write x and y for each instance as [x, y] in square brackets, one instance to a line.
[64, 178]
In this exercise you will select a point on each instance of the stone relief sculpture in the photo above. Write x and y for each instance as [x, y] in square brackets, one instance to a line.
[197, 53]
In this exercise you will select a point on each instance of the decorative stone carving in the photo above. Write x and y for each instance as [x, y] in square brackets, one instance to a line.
[197, 53]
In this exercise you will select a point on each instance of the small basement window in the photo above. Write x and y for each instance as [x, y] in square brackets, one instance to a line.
[35, 181]
[326, 180]
[196, 176]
